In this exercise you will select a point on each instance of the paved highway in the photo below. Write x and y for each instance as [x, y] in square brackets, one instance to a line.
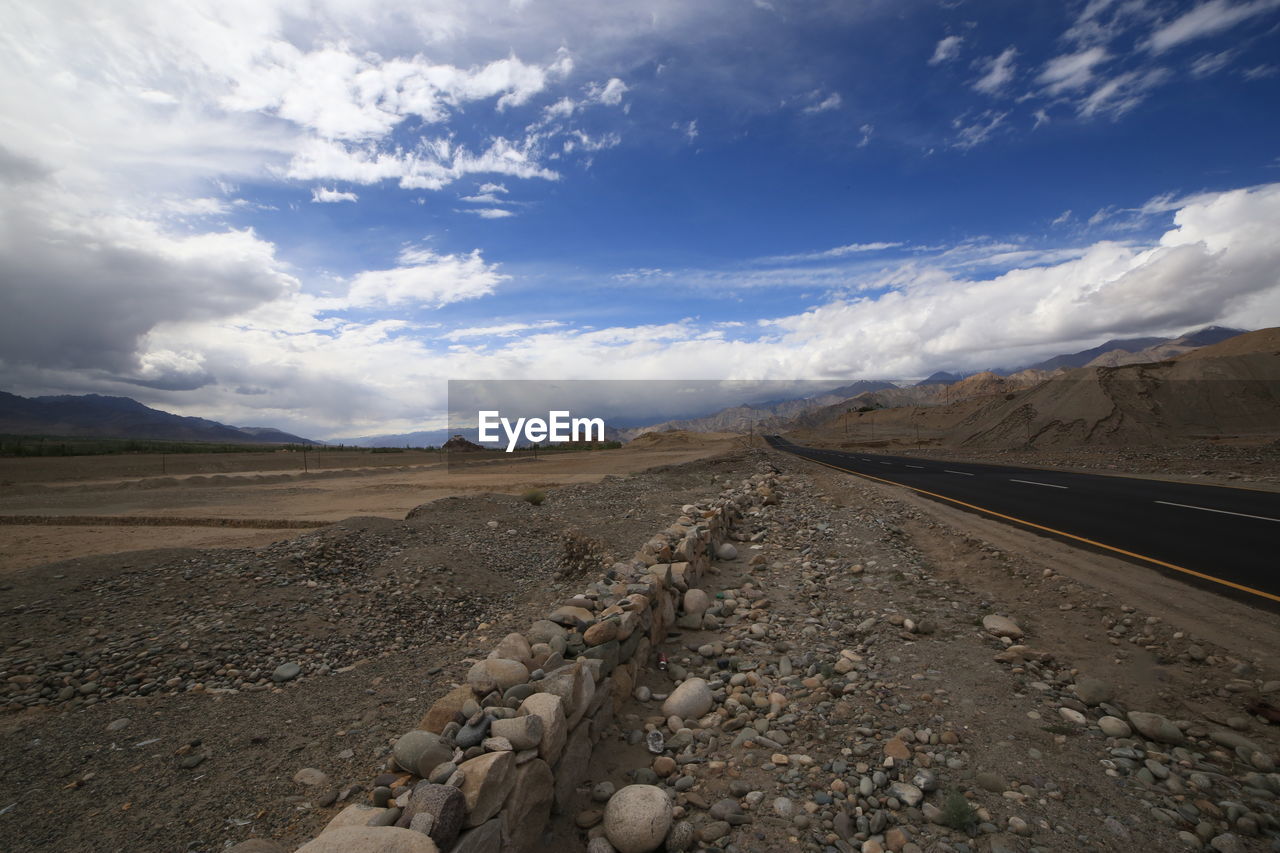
[1226, 538]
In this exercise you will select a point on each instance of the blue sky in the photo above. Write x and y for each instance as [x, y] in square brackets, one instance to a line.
[312, 214]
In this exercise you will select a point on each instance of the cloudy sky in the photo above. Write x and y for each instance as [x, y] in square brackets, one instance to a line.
[310, 215]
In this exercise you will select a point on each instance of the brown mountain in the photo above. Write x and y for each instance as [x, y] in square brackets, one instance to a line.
[1227, 389]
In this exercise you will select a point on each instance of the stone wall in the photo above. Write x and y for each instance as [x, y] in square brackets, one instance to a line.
[491, 760]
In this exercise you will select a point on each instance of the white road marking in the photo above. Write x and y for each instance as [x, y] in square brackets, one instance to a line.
[916, 466]
[1223, 511]
[1034, 483]
[961, 473]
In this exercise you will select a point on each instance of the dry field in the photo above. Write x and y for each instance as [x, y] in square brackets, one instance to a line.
[211, 491]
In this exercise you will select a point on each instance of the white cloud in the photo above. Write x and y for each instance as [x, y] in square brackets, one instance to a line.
[971, 132]
[827, 254]
[946, 50]
[580, 141]
[1206, 20]
[433, 165]
[490, 212]
[609, 94]
[830, 102]
[1103, 21]
[1000, 71]
[866, 130]
[197, 206]
[1121, 93]
[1212, 63]
[1260, 72]
[690, 130]
[1071, 71]
[1217, 263]
[503, 330]
[326, 195]
[340, 95]
[425, 278]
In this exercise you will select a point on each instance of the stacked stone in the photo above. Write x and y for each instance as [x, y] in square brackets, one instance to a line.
[493, 758]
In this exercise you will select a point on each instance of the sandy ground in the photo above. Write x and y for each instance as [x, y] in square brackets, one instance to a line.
[94, 486]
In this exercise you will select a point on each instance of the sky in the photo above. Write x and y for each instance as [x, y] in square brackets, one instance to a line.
[311, 215]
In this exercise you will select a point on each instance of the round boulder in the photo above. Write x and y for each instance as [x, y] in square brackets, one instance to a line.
[421, 752]
[498, 673]
[370, 839]
[696, 602]
[637, 818]
[689, 701]
[1001, 626]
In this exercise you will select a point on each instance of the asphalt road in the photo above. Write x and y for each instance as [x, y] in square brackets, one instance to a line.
[1226, 539]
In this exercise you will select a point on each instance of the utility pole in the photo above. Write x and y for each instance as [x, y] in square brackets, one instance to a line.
[304, 459]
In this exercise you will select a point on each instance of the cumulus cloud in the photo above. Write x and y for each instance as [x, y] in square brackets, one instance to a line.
[425, 278]
[84, 286]
[324, 195]
[1217, 262]
[610, 93]
[946, 50]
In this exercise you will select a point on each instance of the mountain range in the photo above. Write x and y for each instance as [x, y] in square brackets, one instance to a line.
[941, 387]
[1224, 391]
[96, 416]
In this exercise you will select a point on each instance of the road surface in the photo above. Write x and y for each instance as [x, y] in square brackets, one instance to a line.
[1226, 538]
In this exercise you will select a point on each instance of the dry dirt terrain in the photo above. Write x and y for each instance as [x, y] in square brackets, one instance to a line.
[151, 705]
[264, 490]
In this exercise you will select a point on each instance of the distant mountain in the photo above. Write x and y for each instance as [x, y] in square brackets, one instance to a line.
[770, 415]
[421, 438]
[1137, 350]
[437, 438]
[1168, 349]
[940, 378]
[96, 416]
[1228, 389]
[1080, 359]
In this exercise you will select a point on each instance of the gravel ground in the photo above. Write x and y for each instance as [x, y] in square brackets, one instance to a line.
[378, 615]
[860, 700]
[863, 700]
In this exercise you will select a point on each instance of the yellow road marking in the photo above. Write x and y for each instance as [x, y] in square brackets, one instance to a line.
[1152, 560]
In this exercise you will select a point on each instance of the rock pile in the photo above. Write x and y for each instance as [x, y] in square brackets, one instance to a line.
[491, 759]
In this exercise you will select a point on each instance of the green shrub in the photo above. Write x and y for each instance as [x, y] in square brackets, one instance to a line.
[534, 496]
[957, 812]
